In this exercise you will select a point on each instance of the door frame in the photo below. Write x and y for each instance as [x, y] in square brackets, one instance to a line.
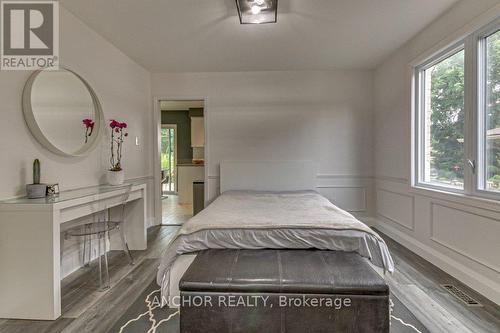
[174, 126]
[157, 147]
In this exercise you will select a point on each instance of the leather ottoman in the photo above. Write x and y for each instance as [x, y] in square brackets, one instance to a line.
[245, 291]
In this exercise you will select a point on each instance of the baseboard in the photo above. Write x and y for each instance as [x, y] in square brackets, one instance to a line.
[368, 220]
[486, 287]
[152, 221]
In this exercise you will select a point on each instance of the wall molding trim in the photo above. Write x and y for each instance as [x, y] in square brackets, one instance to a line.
[368, 220]
[412, 198]
[451, 206]
[341, 186]
[452, 198]
[453, 248]
[349, 183]
[322, 176]
[341, 176]
[487, 287]
[393, 179]
[364, 201]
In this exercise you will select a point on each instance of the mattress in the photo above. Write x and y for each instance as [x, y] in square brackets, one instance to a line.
[273, 220]
[179, 267]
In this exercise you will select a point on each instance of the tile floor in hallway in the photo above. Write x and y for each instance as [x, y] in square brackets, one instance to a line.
[174, 213]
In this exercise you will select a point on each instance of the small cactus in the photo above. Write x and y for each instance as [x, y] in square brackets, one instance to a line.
[36, 171]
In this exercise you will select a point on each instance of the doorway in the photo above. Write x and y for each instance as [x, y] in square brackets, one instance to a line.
[181, 159]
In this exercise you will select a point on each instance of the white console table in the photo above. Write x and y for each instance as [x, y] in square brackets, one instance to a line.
[30, 284]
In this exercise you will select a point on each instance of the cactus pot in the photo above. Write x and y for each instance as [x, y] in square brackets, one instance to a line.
[35, 191]
[115, 177]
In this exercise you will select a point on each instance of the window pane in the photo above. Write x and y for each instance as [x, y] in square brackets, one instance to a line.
[493, 112]
[443, 150]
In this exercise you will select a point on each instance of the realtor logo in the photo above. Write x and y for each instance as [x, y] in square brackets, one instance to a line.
[29, 35]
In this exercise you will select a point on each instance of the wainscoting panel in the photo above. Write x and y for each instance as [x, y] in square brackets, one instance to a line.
[396, 207]
[472, 235]
[351, 193]
[352, 199]
[456, 233]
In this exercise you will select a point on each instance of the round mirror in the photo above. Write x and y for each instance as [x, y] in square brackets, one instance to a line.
[62, 112]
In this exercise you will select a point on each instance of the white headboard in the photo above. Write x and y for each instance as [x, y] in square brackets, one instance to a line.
[267, 175]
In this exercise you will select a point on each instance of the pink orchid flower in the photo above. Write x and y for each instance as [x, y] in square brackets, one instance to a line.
[117, 138]
[89, 123]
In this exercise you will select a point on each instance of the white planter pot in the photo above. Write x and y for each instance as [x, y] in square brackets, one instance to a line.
[115, 177]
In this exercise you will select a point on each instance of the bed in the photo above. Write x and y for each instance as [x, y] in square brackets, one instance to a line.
[268, 205]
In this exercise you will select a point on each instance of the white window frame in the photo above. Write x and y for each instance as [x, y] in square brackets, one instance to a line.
[479, 72]
[419, 119]
[474, 46]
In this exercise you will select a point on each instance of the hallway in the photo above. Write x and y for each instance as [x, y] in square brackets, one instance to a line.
[174, 213]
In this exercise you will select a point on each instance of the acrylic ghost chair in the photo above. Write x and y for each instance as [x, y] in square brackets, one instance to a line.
[100, 230]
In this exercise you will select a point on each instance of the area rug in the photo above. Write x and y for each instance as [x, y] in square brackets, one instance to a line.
[145, 316]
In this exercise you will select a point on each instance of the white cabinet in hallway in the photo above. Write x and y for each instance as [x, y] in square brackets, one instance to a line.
[186, 175]
[197, 132]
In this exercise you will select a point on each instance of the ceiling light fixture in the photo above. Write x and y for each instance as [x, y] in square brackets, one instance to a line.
[257, 11]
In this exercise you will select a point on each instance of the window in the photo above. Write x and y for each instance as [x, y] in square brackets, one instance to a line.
[442, 120]
[168, 158]
[457, 117]
[490, 105]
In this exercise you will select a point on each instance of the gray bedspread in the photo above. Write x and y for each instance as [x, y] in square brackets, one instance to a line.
[277, 220]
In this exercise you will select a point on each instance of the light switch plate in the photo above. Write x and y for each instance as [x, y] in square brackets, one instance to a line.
[136, 140]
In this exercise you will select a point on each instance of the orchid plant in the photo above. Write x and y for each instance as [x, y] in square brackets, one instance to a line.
[118, 135]
[89, 128]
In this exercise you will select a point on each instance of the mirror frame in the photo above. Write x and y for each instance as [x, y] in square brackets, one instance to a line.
[35, 130]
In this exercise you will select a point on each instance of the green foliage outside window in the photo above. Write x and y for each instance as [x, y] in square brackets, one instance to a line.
[493, 110]
[447, 117]
[167, 148]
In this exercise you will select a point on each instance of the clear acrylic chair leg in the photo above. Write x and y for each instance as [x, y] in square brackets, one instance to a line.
[90, 249]
[125, 245]
[99, 254]
[84, 262]
[84, 250]
[103, 281]
[106, 265]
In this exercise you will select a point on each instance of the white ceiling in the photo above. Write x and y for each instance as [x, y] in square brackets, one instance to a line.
[205, 35]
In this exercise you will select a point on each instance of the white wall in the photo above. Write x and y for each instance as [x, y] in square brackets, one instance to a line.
[458, 235]
[123, 88]
[321, 116]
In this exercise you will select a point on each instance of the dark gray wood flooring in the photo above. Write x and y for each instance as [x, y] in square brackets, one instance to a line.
[87, 309]
[416, 283]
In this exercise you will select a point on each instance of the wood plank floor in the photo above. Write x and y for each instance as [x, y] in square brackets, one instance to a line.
[87, 309]
[416, 283]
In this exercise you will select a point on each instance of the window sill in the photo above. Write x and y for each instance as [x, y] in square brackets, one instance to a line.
[458, 198]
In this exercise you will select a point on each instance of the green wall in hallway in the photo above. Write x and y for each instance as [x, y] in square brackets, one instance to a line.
[183, 122]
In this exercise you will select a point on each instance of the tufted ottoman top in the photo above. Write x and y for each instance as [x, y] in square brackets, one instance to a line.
[283, 271]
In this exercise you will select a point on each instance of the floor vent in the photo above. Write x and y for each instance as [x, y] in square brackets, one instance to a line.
[461, 295]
